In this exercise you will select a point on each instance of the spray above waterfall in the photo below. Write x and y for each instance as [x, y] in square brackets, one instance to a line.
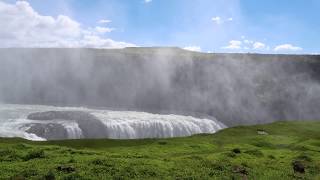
[237, 89]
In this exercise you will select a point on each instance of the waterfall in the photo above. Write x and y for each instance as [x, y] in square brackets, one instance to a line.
[114, 124]
[73, 130]
[136, 125]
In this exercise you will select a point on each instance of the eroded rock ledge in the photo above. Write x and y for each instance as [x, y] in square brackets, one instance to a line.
[90, 126]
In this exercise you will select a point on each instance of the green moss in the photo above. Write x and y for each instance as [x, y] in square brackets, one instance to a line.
[34, 154]
[255, 152]
[234, 153]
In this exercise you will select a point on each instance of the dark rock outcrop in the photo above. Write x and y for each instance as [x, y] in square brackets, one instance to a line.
[90, 126]
[66, 169]
[298, 166]
[49, 131]
[64, 115]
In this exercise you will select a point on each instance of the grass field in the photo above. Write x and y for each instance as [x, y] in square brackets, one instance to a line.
[281, 150]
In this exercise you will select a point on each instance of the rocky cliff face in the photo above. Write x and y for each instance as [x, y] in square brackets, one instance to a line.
[234, 88]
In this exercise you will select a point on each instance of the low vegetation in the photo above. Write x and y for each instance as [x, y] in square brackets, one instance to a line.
[287, 150]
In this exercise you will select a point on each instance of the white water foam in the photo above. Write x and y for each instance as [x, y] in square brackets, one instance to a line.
[137, 125]
[73, 129]
[119, 124]
[14, 128]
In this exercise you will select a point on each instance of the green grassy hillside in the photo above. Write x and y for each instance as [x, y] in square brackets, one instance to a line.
[282, 150]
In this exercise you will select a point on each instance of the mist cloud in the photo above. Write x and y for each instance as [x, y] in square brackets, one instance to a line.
[234, 88]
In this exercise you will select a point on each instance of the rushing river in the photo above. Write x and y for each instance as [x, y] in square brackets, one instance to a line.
[117, 124]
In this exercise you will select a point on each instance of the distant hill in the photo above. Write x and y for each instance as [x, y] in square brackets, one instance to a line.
[234, 88]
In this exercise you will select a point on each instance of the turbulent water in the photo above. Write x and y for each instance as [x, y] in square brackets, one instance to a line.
[118, 124]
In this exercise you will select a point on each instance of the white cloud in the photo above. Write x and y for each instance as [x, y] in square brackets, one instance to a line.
[22, 26]
[287, 47]
[104, 21]
[103, 30]
[246, 44]
[248, 41]
[193, 48]
[147, 1]
[259, 45]
[98, 42]
[233, 44]
[255, 46]
[217, 20]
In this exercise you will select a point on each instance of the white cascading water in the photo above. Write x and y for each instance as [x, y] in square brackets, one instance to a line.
[73, 129]
[119, 124]
[135, 125]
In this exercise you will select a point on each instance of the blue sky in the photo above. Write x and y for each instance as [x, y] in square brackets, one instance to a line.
[266, 26]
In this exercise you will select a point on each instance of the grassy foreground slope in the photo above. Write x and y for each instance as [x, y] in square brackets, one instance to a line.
[281, 150]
